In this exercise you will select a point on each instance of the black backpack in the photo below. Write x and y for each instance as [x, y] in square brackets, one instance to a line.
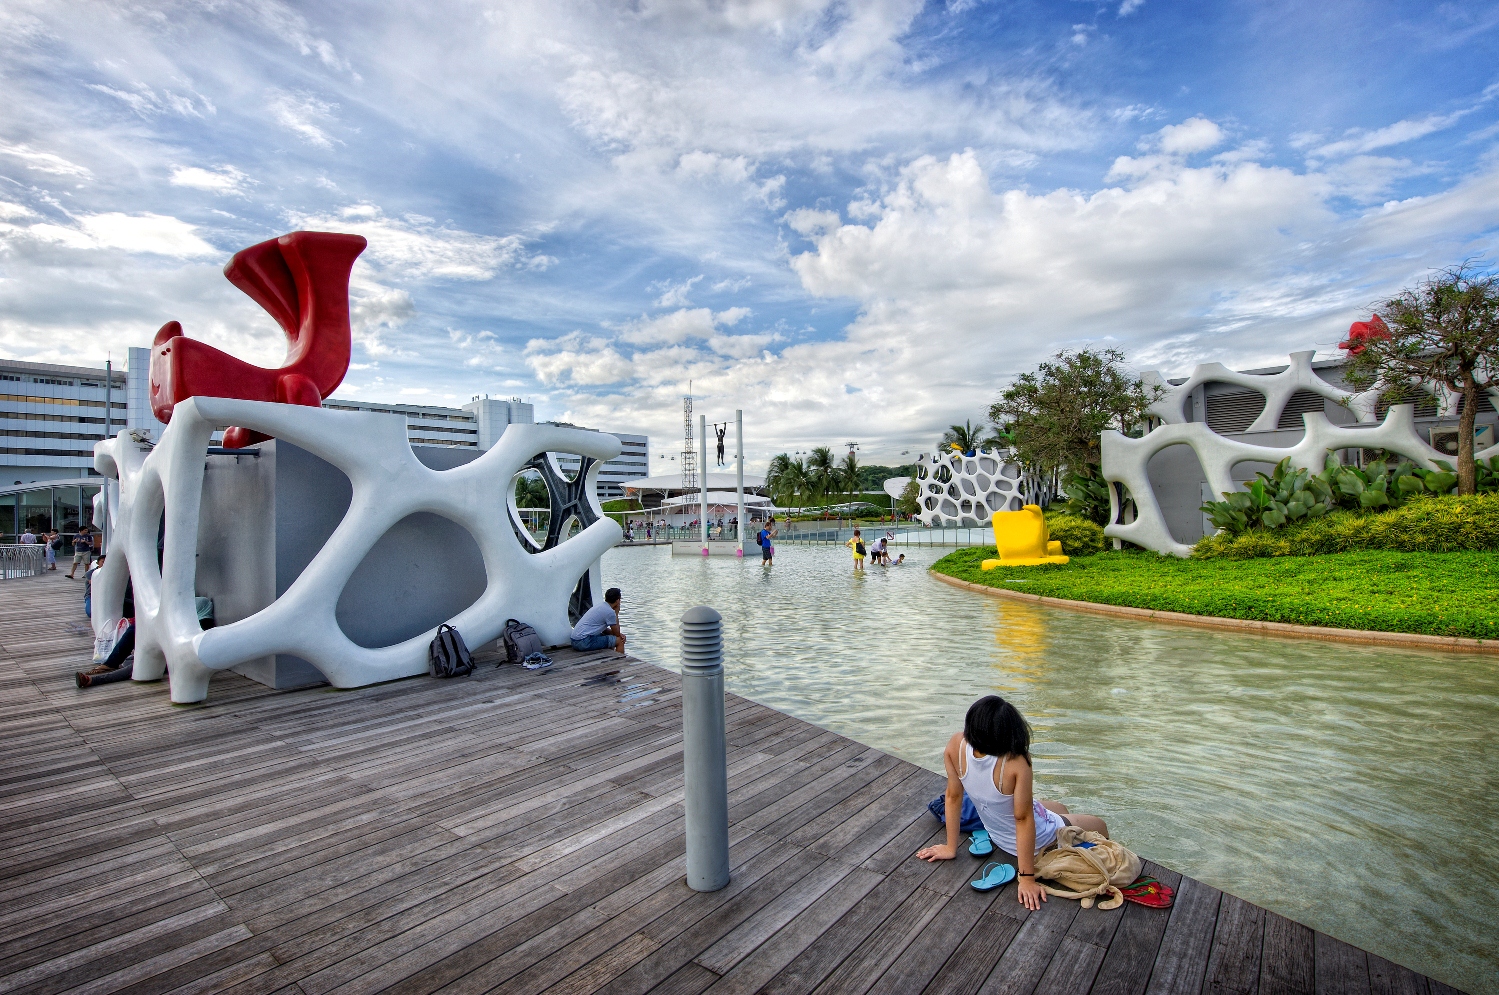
[448, 656]
[520, 641]
[858, 549]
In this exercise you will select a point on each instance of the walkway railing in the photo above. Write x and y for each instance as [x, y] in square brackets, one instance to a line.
[22, 561]
[903, 536]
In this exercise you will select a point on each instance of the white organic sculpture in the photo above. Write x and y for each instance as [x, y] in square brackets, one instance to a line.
[965, 490]
[1276, 388]
[1125, 461]
[389, 483]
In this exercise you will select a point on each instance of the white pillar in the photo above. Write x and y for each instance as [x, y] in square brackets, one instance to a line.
[739, 485]
[703, 441]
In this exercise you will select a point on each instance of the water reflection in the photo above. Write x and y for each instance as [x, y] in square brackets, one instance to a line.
[1350, 788]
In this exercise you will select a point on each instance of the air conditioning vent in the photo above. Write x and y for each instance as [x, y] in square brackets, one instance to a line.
[1233, 412]
[1300, 403]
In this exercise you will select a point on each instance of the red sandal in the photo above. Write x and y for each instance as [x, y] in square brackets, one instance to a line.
[1150, 893]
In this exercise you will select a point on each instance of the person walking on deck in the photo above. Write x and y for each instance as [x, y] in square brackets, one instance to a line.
[54, 543]
[990, 762]
[599, 627]
[857, 545]
[83, 545]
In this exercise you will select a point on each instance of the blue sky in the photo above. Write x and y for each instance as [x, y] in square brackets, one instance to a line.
[856, 221]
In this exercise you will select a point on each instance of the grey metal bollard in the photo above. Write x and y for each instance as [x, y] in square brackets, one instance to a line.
[704, 752]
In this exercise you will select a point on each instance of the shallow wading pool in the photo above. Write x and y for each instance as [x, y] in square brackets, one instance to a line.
[1354, 789]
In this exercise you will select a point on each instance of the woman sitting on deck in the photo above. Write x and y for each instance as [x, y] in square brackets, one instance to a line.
[991, 760]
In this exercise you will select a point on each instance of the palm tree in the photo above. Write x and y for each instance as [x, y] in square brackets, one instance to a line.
[968, 437]
[822, 472]
[848, 474]
[786, 479]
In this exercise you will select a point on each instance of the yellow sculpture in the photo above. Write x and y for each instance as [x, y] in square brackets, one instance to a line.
[1022, 540]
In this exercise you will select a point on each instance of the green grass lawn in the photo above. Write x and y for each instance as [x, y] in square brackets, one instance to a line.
[1440, 594]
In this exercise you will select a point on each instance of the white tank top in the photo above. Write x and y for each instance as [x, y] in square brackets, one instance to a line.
[997, 810]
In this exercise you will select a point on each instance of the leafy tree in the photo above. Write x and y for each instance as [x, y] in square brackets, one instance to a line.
[1444, 331]
[531, 491]
[909, 502]
[1054, 415]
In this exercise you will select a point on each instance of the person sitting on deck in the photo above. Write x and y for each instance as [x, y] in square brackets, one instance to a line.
[599, 627]
[990, 761]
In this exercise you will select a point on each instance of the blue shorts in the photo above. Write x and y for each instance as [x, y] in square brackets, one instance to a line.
[601, 641]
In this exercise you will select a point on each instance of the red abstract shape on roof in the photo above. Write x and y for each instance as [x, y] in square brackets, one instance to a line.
[1361, 333]
[302, 280]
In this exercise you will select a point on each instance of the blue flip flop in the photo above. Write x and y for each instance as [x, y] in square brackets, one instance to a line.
[995, 875]
[979, 845]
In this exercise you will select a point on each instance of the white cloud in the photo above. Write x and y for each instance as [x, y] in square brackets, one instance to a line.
[44, 162]
[1128, 7]
[676, 327]
[12, 212]
[1196, 134]
[675, 294]
[1358, 140]
[146, 102]
[577, 360]
[415, 247]
[303, 115]
[157, 234]
[220, 179]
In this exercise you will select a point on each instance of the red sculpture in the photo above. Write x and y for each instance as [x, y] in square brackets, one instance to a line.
[1361, 333]
[302, 280]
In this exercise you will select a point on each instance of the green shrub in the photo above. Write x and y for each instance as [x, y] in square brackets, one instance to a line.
[1078, 536]
[1422, 525]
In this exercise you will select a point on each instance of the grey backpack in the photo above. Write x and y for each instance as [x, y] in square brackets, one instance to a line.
[520, 641]
[448, 656]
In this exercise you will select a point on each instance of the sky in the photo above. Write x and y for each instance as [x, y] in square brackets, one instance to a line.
[855, 221]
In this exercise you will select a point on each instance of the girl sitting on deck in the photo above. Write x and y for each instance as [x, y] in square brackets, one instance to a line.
[991, 760]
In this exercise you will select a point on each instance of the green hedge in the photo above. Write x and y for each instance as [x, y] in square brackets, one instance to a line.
[1432, 525]
[1440, 594]
[1078, 536]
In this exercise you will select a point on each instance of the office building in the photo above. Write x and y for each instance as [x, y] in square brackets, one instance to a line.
[50, 418]
[634, 461]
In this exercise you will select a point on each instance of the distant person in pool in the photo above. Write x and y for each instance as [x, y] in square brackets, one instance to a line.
[766, 539]
[990, 761]
[857, 545]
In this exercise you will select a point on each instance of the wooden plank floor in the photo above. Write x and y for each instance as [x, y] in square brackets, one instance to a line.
[522, 832]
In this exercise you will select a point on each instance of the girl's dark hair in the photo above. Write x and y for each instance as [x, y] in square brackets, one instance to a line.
[993, 726]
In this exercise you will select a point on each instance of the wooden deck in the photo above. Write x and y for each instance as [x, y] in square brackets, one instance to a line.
[522, 832]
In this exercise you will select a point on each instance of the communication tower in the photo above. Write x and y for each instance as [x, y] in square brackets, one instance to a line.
[689, 454]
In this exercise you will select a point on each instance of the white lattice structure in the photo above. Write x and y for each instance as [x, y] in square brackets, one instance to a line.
[965, 490]
[1276, 388]
[1126, 462]
[389, 483]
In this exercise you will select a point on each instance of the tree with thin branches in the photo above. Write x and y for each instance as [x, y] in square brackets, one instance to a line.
[1443, 331]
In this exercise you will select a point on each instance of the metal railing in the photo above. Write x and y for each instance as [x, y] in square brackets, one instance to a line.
[903, 536]
[690, 533]
[22, 561]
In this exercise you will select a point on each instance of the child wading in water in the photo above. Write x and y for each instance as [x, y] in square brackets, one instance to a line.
[857, 545]
[991, 760]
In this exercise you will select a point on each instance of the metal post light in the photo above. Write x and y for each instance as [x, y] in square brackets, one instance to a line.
[705, 769]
